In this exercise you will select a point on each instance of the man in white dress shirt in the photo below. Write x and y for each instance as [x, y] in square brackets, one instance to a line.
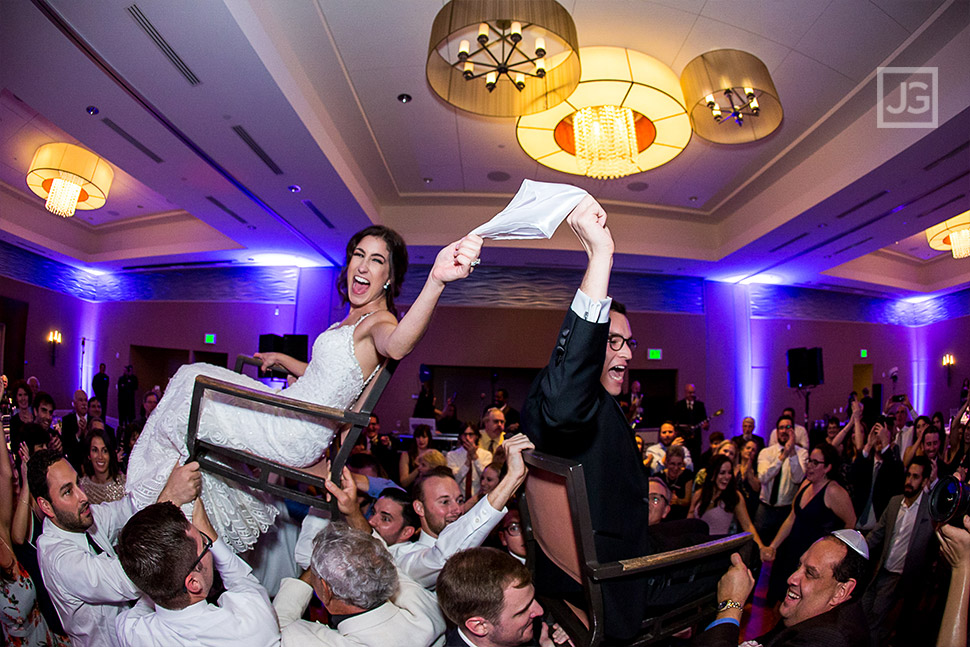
[371, 602]
[801, 434]
[468, 462]
[173, 563]
[781, 467]
[444, 529]
[81, 571]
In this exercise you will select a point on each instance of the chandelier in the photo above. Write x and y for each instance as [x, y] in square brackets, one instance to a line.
[503, 58]
[730, 97]
[626, 116]
[952, 234]
[69, 177]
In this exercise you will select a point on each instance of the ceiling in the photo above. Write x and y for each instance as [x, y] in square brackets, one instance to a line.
[212, 111]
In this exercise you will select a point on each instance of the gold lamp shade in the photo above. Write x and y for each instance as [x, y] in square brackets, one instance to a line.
[69, 177]
[952, 234]
[503, 58]
[730, 97]
[626, 116]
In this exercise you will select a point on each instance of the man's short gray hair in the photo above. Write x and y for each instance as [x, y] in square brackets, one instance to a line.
[356, 567]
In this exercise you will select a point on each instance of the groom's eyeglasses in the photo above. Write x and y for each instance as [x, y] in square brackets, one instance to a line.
[616, 343]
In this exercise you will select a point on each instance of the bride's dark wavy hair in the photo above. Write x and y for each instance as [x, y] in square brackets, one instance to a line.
[398, 262]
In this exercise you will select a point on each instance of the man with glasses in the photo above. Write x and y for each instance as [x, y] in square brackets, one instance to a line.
[659, 500]
[510, 534]
[173, 563]
[781, 467]
[572, 411]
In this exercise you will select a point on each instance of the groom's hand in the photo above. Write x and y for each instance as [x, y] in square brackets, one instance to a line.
[588, 221]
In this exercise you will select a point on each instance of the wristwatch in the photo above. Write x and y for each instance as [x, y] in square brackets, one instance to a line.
[729, 604]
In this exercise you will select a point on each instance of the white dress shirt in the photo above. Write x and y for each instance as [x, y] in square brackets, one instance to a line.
[411, 618]
[243, 616]
[88, 590]
[458, 462]
[792, 473]
[423, 559]
[659, 453]
[902, 532]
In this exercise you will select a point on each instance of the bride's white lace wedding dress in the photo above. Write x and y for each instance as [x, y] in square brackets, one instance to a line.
[333, 378]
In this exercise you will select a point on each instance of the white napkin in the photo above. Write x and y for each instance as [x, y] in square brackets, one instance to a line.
[536, 211]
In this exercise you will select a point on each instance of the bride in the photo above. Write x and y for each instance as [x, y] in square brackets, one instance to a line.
[344, 359]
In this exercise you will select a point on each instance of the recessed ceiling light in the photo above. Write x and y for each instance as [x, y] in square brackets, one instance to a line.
[693, 198]
[294, 188]
[428, 180]
[638, 186]
[498, 176]
[251, 227]
[404, 98]
[92, 110]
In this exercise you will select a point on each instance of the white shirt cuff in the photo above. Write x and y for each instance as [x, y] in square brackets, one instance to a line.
[592, 310]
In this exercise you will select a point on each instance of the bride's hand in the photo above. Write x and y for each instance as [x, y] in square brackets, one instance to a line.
[269, 360]
[455, 261]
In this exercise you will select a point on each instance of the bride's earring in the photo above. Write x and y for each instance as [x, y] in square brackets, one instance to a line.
[387, 285]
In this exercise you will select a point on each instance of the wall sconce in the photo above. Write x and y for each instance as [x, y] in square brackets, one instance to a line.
[948, 362]
[54, 337]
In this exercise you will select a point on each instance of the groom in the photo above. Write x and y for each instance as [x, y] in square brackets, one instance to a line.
[572, 412]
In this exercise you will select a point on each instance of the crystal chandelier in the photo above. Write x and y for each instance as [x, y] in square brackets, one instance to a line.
[69, 177]
[952, 234]
[606, 141]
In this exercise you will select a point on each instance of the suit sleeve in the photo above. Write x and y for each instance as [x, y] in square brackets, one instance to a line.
[568, 388]
[723, 635]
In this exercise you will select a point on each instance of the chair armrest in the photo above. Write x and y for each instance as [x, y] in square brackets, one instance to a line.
[246, 360]
[681, 556]
[206, 383]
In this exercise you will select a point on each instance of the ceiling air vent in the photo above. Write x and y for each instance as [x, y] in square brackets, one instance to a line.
[959, 198]
[226, 209]
[861, 204]
[319, 214]
[786, 244]
[131, 140]
[845, 249]
[945, 157]
[163, 45]
[263, 155]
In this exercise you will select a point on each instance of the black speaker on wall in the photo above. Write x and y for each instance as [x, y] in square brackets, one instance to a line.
[805, 367]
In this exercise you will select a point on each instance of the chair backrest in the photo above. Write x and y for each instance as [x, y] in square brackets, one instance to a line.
[558, 509]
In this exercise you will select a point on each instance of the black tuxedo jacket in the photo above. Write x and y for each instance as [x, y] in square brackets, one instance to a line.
[73, 446]
[843, 626]
[568, 413]
[889, 481]
[684, 416]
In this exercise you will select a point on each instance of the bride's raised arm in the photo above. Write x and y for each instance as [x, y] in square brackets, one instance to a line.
[454, 262]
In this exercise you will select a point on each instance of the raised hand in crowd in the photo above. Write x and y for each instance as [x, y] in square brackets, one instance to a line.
[955, 545]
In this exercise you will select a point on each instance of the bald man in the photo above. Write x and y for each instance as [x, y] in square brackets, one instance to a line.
[73, 427]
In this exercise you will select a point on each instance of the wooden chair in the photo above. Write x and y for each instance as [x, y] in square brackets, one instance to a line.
[555, 518]
[255, 471]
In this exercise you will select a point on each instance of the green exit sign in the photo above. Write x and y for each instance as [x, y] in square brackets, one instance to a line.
[863, 353]
[210, 338]
[655, 353]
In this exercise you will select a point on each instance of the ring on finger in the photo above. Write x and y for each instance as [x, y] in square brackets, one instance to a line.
[476, 262]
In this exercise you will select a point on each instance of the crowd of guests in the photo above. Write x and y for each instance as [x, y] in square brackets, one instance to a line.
[872, 473]
[410, 505]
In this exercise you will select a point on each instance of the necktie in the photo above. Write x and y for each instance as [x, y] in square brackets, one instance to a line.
[93, 544]
[775, 486]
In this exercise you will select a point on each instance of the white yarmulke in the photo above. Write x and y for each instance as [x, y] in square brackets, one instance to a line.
[854, 540]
